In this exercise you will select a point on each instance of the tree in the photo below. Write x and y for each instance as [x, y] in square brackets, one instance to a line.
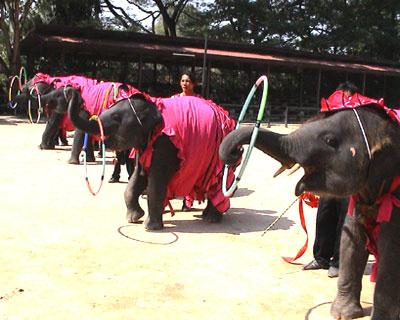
[169, 11]
[13, 16]
[367, 28]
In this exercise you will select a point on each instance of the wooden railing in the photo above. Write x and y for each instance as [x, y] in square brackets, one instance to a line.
[285, 114]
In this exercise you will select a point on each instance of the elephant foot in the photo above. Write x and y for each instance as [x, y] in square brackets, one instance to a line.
[43, 146]
[211, 215]
[133, 216]
[153, 224]
[73, 161]
[346, 308]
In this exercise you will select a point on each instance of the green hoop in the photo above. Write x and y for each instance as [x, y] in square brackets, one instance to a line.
[229, 191]
[22, 72]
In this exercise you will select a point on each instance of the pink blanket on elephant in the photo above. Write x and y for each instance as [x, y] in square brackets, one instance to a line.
[97, 95]
[57, 82]
[196, 127]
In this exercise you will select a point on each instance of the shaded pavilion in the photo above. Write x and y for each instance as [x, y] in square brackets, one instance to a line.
[225, 71]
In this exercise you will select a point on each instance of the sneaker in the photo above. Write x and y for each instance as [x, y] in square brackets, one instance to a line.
[333, 272]
[113, 180]
[315, 265]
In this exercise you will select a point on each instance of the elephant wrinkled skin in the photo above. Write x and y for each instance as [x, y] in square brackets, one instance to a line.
[137, 122]
[334, 155]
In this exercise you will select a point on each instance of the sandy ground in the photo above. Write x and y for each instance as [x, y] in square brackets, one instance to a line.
[66, 254]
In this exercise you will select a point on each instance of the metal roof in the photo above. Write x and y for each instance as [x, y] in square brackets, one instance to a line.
[155, 48]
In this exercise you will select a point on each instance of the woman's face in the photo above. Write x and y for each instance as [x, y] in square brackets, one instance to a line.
[187, 85]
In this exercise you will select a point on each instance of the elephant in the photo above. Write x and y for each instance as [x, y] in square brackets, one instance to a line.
[351, 152]
[97, 96]
[26, 96]
[176, 141]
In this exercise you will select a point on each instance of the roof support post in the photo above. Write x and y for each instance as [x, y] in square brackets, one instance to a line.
[208, 79]
[140, 72]
[301, 85]
[364, 82]
[384, 86]
[203, 76]
[318, 87]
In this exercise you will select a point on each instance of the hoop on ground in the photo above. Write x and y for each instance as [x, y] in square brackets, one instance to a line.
[229, 191]
[22, 72]
[40, 109]
[103, 149]
[10, 92]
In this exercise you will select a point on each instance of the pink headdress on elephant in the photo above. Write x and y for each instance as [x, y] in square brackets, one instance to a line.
[339, 100]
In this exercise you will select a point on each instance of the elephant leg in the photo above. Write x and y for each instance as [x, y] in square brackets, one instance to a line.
[217, 204]
[387, 287]
[77, 145]
[51, 131]
[211, 214]
[78, 141]
[90, 151]
[136, 185]
[352, 262]
[163, 165]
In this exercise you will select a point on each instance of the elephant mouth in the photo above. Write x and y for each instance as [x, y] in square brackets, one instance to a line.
[306, 181]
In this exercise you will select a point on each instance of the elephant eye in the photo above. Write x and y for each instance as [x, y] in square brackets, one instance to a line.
[331, 141]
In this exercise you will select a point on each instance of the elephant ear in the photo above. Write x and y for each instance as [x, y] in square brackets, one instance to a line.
[147, 111]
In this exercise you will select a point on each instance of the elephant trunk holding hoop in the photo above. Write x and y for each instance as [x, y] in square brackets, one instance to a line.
[30, 99]
[169, 166]
[334, 155]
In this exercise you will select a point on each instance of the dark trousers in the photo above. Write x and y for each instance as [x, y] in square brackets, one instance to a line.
[330, 217]
[123, 159]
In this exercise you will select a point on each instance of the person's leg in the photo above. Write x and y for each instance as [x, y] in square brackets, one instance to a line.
[341, 208]
[325, 232]
[117, 169]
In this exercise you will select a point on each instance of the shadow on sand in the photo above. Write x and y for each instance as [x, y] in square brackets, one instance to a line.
[367, 310]
[236, 222]
[13, 120]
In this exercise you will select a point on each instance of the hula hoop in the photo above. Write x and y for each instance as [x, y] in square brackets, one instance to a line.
[103, 148]
[10, 97]
[22, 72]
[229, 191]
[39, 110]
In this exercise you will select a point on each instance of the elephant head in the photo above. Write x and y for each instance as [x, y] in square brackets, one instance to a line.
[28, 94]
[127, 124]
[332, 150]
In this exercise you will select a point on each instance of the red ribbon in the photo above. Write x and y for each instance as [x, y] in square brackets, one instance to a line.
[311, 200]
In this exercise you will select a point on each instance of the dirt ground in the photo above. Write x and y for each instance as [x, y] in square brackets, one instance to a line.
[66, 254]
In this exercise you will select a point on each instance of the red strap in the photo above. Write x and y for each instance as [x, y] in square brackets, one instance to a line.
[312, 201]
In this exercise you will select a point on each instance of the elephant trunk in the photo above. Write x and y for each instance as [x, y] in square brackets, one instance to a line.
[271, 143]
[78, 116]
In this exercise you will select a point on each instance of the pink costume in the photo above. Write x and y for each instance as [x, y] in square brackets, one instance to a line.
[97, 95]
[196, 127]
[339, 101]
[58, 82]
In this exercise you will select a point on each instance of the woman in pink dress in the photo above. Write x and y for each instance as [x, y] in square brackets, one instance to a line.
[187, 83]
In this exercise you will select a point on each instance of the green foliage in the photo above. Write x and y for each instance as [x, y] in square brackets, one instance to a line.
[369, 28]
